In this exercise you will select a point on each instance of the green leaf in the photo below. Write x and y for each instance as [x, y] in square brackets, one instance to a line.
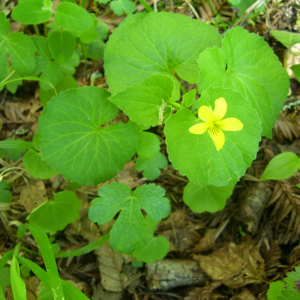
[130, 231]
[95, 49]
[31, 12]
[146, 102]
[69, 67]
[62, 45]
[121, 6]
[102, 30]
[49, 260]
[243, 5]
[149, 43]
[151, 165]
[282, 166]
[74, 142]
[209, 198]
[4, 29]
[288, 39]
[5, 195]
[17, 284]
[156, 248]
[21, 50]
[72, 17]
[247, 64]
[196, 156]
[68, 82]
[35, 165]
[15, 144]
[275, 290]
[13, 86]
[55, 215]
[188, 99]
[88, 36]
[4, 278]
[51, 72]
[296, 71]
[42, 45]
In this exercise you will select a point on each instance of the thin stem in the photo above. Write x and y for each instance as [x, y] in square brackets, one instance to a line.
[36, 29]
[182, 88]
[148, 8]
[45, 30]
[12, 73]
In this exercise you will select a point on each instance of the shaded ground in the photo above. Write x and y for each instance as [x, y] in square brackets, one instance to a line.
[252, 242]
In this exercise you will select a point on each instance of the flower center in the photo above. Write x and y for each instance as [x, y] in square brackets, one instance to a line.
[214, 129]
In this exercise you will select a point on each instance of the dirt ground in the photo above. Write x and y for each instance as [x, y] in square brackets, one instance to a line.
[233, 254]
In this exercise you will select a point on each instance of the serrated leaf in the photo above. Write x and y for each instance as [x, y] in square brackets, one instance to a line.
[21, 49]
[288, 39]
[282, 166]
[57, 214]
[74, 141]
[247, 64]
[121, 6]
[208, 198]
[72, 17]
[42, 45]
[35, 165]
[147, 101]
[196, 156]
[151, 165]
[5, 195]
[156, 248]
[31, 12]
[149, 43]
[130, 231]
[148, 143]
[62, 45]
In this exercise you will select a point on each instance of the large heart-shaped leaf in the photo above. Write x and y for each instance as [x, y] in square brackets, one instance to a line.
[75, 142]
[149, 43]
[247, 64]
[196, 156]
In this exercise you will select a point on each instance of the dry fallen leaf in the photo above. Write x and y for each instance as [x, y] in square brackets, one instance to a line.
[234, 265]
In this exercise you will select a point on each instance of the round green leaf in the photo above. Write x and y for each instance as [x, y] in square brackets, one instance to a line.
[156, 248]
[74, 141]
[62, 45]
[247, 64]
[95, 49]
[149, 43]
[57, 214]
[286, 38]
[147, 102]
[209, 198]
[282, 166]
[36, 166]
[72, 17]
[196, 156]
[5, 195]
[31, 12]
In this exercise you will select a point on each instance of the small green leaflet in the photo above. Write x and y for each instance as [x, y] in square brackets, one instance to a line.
[121, 6]
[148, 143]
[130, 232]
[5, 195]
[282, 166]
[57, 214]
[296, 71]
[151, 165]
[196, 156]
[35, 165]
[31, 12]
[156, 43]
[209, 198]
[74, 141]
[288, 39]
[148, 102]
[248, 65]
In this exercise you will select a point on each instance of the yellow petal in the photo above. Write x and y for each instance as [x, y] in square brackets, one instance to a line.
[220, 108]
[230, 124]
[199, 128]
[206, 114]
[217, 136]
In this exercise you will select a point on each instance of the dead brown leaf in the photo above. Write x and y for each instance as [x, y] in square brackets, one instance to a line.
[234, 265]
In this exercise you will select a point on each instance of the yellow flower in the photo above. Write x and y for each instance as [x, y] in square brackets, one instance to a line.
[214, 123]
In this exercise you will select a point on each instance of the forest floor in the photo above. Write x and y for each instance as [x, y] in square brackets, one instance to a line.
[253, 241]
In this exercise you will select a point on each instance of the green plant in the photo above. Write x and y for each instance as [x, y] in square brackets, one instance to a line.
[288, 289]
[146, 60]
